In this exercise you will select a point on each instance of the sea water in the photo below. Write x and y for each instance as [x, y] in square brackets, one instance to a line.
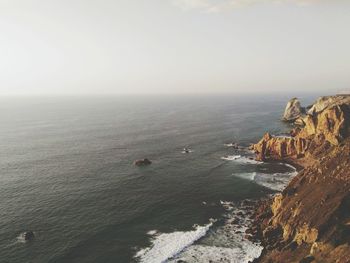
[67, 174]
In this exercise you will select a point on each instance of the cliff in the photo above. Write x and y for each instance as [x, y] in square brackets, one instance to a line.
[310, 220]
[326, 123]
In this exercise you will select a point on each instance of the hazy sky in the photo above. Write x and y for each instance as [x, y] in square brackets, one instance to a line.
[173, 46]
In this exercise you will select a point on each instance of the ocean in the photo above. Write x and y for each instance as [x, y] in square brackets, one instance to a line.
[67, 174]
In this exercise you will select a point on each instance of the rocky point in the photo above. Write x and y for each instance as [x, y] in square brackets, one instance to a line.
[310, 220]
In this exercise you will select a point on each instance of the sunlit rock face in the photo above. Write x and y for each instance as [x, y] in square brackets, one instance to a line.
[310, 220]
[327, 121]
[293, 110]
[311, 216]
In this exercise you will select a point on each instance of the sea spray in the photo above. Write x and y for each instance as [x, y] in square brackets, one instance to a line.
[167, 245]
[227, 242]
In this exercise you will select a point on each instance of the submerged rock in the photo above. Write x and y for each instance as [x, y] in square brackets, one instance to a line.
[142, 162]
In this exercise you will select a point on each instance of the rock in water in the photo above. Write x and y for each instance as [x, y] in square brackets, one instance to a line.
[142, 162]
[293, 110]
[28, 235]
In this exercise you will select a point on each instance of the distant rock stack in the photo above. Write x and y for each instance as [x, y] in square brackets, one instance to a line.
[293, 110]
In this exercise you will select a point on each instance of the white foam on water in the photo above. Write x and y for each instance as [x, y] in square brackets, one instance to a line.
[21, 238]
[248, 176]
[247, 160]
[275, 181]
[231, 157]
[230, 145]
[204, 253]
[167, 245]
[152, 232]
[227, 243]
[289, 165]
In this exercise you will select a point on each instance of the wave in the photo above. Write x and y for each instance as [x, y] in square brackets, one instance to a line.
[289, 165]
[168, 245]
[203, 253]
[227, 243]
[231, 157]
[248, 160]
[275, 181]
[152, 232]
[231, 145]
[241, 159]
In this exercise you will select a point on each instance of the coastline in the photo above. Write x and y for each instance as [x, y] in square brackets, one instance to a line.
[228, 239]
[309, 220]
[224, 239]
[302, 222]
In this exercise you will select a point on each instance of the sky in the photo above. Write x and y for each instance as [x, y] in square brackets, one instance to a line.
[173, 46]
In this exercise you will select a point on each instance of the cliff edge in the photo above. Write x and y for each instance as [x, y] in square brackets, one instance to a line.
[310, 220]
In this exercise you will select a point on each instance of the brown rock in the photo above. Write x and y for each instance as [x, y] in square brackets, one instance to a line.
[310, 220]
[330, 124]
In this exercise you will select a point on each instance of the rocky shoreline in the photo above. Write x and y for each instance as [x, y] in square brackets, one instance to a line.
[310, 220]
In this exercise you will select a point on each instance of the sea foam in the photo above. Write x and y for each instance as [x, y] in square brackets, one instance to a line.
[231, 157]
[275, 181]
[167, 245]
[240, 159]
[227, 243]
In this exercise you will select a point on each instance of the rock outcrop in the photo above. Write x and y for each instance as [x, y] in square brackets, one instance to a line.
[293, 110]
[328, 101]
[327, 122]
[312, 215]
[310, 220]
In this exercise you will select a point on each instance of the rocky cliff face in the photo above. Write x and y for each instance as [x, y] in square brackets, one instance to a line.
[327, 122]
[310, 220]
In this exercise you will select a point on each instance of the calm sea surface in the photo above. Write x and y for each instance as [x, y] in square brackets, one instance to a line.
[66, 170]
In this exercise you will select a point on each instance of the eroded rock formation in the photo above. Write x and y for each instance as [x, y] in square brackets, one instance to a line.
[327, 122]
[310, 220]
[312, 215]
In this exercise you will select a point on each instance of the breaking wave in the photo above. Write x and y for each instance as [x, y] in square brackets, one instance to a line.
[241, 159]
[231, 157]
[227, 243]
[167, 245]
[275, 181]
